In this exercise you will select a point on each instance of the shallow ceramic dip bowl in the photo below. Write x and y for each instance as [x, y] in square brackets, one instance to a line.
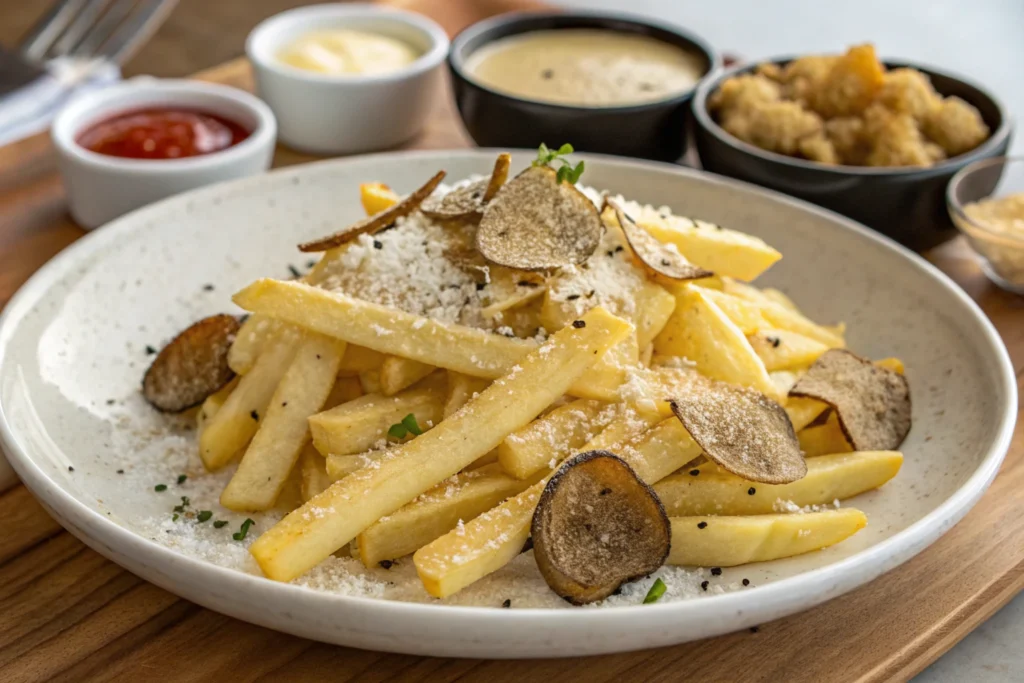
[73, 349]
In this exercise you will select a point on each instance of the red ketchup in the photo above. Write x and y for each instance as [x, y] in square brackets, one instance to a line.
[162, 134]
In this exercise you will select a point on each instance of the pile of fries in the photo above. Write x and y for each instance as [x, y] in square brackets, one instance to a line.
[674, 427]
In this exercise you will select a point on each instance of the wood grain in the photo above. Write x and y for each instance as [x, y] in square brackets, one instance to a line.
[67, 614]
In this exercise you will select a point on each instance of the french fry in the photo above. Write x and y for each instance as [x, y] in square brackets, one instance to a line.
[360, 359]
[314, 473]
[726, 252]
[238, 419]
[744, 313]
[461, 388]
[732, 541]
[284, 429]
[702, 333]
[397, 373]
[249, 342]
[437, 512]
[369, 381]
[487, 543]
[308, 535]
[508, 289]
[545, 441]
[654, 306]
[803, 411]
[355, 427]
[340, 466]
[212, 404]
[345, 389]
[713, 491]
[823, 439]
[785, 350]
[454, 347]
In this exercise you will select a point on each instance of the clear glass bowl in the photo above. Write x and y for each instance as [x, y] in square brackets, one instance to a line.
[999, 246]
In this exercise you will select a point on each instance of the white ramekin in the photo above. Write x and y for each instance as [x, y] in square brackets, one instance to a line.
[101, 188]
[348, 114]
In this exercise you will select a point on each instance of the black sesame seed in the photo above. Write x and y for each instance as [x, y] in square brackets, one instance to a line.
[753, 629]
[254, 415]
[611, 253]
[746, 582]
[70, 468]
[619, 248]
[605, 492]
[716, 571]
[694, 473]
[110, 401]
[120, 471]
[591, 293]
[311, 263]
[207, 288]
[150, 350]
[506, 604]
[579, 324]
[572, 297]
[702, 525]
[704, 585]
[284, 404]
[527, 283]
[386, 564]
[377, 244]
[664, 262]
[480, 286]
[751, 491]
[775, 341]
[547, 74]
[294, 271]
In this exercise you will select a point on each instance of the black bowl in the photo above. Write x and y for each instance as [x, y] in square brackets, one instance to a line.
[907, 204]
[654, 130]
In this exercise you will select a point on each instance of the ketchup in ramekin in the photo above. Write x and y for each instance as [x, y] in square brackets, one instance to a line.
[162, 134]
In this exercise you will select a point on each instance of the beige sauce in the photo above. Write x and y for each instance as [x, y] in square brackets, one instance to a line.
[585, 67]
[343, 52]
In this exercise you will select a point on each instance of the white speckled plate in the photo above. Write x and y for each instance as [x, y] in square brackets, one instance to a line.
[72, 351]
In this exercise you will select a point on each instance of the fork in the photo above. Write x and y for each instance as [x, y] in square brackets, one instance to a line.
[75, 42]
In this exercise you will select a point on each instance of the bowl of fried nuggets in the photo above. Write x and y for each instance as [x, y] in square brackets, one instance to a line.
[875, 140]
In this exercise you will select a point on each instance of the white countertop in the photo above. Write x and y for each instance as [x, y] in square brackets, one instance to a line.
[981, 39]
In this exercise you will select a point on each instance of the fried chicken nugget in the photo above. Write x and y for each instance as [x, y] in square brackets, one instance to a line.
[851, 85]
[818, 147]
[846, 133]
[956, 126]
[805, 75]
[743, 92]
[909, 91]
[895, 140]
[774, 126]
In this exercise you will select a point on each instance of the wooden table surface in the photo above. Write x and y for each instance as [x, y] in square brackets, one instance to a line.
[66, 613]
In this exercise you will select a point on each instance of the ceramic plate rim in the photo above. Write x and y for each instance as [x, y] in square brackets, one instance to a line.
[813, 586]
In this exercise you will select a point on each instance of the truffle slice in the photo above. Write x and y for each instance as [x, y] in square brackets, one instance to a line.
[872, 402]
[193, 366]
[596, 527]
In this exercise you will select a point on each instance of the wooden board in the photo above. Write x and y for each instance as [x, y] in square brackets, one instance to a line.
[66, 613]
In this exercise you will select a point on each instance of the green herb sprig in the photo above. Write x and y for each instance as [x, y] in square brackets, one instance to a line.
[407, 426]
[566, 172]
[658, 589]
[241, 533]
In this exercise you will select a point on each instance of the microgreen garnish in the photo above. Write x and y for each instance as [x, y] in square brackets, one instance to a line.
[407, 426]
[182, 478]
[204, 515]
[220, 524]
[566, 172]
[175, 517]
[160, 487]
[239, 535]
[658, 589]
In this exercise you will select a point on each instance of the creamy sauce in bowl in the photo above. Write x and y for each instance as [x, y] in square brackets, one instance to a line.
[348, 52]
[586, 67]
